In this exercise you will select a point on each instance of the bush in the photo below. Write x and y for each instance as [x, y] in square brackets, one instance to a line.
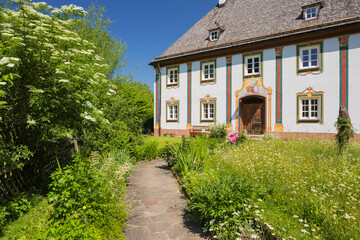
[147, 151]
[345, 132]
[220, 202]
[82, 193]
[218, 131]
[236, 139]
[13, 209]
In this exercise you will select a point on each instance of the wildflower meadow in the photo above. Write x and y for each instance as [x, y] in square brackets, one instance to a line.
[292, 189]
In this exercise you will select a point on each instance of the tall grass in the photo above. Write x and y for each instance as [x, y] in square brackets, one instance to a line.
[310, 192]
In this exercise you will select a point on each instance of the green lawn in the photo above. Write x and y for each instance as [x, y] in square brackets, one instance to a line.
[162, 141]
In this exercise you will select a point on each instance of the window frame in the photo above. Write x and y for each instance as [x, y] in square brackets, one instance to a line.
[202, 113]
[309, 8]
[300, 55]
[202, 71]
[168, 74]
[211, 35]
[172, 104]
[310, 96]
[245, 65]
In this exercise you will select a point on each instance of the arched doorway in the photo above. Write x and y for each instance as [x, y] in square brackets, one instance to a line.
[252, 114]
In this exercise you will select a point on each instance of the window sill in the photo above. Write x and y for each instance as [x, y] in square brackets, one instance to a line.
[309, 121]
[172, 85]
[207, 120]
[252, 75]
[172, 121]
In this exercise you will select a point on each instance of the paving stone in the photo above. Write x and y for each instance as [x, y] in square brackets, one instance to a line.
[158, 206]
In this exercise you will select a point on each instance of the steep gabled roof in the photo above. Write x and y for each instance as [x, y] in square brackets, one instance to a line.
[244, 21]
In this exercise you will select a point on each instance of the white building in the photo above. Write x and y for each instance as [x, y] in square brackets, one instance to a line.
[276, 66]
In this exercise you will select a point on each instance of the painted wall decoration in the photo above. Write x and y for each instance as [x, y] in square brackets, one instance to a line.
[252, 86]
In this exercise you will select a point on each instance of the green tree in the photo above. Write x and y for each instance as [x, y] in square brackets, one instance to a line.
[50, 77]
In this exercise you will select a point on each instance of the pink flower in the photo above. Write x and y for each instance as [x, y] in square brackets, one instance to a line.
[194, 161]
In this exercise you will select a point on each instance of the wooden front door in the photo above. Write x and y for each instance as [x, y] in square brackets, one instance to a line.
[253, 116]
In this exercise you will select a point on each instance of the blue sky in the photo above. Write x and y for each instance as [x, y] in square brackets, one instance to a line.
[147, 27]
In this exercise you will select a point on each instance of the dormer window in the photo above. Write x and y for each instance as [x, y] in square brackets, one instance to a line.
[214, 35]
[311, 13]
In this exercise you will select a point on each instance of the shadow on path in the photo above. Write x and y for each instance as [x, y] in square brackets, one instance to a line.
[157, 206]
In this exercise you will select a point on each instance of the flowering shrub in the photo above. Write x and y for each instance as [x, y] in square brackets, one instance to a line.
[218, 131]
[235, 138]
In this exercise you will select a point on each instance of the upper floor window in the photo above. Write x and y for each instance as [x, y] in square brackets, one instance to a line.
[311, 13]
[309, 57]
[214, 35]
[173, 76]
[253, 65]
[208, 71]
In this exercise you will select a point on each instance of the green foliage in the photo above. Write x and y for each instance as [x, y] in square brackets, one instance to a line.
[218, 131]
[222, 201]
[89, 194]
[345, 132]
[11, 210]
[147, 151]
[93, 27]
[55, 82]
[188, 155]
[77, 186]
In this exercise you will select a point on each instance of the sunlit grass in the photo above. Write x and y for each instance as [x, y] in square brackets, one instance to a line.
[163, 141]
[310, 191]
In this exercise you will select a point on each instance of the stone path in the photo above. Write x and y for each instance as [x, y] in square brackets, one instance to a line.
[157, 206]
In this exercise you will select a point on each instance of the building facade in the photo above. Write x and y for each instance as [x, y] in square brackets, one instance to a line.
[278, 67]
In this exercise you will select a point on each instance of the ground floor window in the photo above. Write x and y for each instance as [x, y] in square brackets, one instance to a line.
[172, 114]
[208, 111]
[310, 107]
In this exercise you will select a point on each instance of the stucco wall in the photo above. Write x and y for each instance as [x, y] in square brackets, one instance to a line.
[327, 82]
[354, 80]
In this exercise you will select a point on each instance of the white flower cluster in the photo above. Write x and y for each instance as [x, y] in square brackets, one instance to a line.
[9, 61]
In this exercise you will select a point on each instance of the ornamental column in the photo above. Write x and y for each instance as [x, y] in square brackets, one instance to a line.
[228, 92]
[344, 71]
[188, 125]
[278, 119]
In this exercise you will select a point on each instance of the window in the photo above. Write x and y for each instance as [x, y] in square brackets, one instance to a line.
[172, 112]
[311, 13]
[208, 109]
[208, 71]
[214, 35]
[173, 76]
[253, 65]
[310, 106]
[309, 109]
[309, 57]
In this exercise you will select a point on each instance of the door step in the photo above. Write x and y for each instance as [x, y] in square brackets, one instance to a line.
[255, 137]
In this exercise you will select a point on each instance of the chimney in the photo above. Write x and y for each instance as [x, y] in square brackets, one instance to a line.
[221, 2]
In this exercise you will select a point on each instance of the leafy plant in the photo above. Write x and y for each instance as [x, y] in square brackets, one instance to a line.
[220, 201]
[218, 131]
[345, 132]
